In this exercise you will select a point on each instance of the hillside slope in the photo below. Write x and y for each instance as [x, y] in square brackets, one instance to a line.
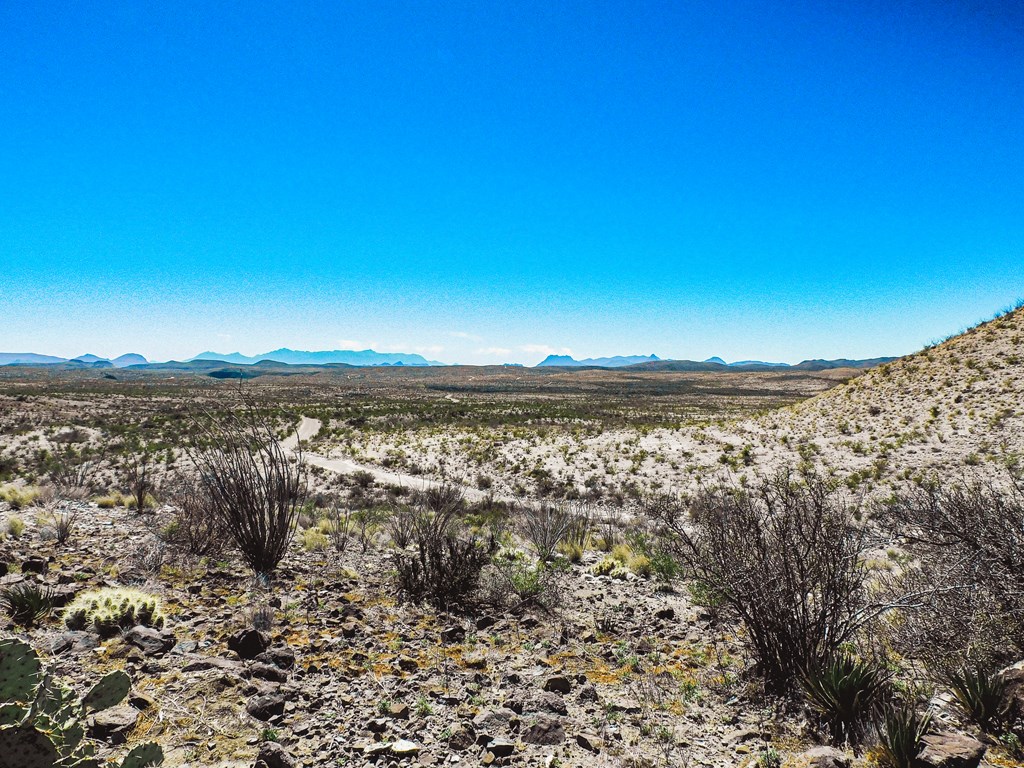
[954, 405]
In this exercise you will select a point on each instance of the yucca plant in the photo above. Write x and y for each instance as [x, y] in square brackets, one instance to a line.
[981, 694]
[27, 603]
[847, 693]
[903, 730]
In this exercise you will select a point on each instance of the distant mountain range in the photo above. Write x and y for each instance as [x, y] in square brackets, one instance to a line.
[82, 361]
[366, 357]
[619, 361]
[653, 363]
[296, 360]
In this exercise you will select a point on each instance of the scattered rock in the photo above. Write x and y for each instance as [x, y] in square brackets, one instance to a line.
[248, 643]
[266, 707]
[151, 642]
[544, 730]
[825, 757]
[500, 747]
[558, 684]
[273, 755]
[951, 750]
[35, 564]
[590, 742]
[74, 641]
[405, 748]
[113, 725]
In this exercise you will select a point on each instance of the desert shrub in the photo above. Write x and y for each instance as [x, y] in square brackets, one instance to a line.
[71, 472]
[195, 526]
[314, 540]
[110, 609]
[904, 727]
[545, 526]
[254, 487]
[401, 524]
[784, 557]
[62, 521]
[443, 564]
[19, 497]
[650, 559]
[513, 582]
[137, 474]
[339, 525]
[968, 542]
[847, 694]
[15, 526]
[111, 500]
[982, 695]
[27, 603]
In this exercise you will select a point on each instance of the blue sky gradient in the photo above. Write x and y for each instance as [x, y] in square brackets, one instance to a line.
[488, 183]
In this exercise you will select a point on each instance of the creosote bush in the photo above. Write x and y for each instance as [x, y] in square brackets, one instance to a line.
[785, 557]
[968, 541]
[444, 560]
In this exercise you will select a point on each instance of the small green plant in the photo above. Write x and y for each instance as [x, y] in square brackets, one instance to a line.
[903, 729]
[847, 693]
[769, 758]
[424, 707]
[27, 603]
[981, 694]
[269, 734]
[110, 609]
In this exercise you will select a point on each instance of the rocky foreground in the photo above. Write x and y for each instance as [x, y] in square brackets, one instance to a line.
[324, 667]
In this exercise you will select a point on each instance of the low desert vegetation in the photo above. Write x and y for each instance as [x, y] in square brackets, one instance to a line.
[672, 571]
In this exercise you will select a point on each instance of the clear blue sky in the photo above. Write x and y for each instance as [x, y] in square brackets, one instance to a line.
[485, 182]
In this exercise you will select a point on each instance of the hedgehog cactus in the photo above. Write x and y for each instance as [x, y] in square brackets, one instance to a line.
[111, 609]
[42, 720]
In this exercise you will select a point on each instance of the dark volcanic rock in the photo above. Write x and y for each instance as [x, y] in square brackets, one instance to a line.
[151, 642]
[248, 643]
[266, 707]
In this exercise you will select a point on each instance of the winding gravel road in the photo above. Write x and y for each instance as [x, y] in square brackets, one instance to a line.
[309, 428]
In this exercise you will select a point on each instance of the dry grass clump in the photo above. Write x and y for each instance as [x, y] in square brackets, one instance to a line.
[20, 497]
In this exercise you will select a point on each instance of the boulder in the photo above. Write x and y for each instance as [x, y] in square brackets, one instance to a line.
[544, 730]
[825, 757]
[113, 725]
[266, 707]
[151, 642]
[248, 643]
[273, 755]
[951, 750]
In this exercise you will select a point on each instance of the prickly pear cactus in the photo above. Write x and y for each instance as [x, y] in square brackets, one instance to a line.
[25, 746]
[110, 690]
[19, 671]
[144, 756]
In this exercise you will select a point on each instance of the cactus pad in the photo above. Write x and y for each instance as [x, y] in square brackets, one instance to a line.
[24, 746]
[19, 671]
[110, 690]
[144, 756]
